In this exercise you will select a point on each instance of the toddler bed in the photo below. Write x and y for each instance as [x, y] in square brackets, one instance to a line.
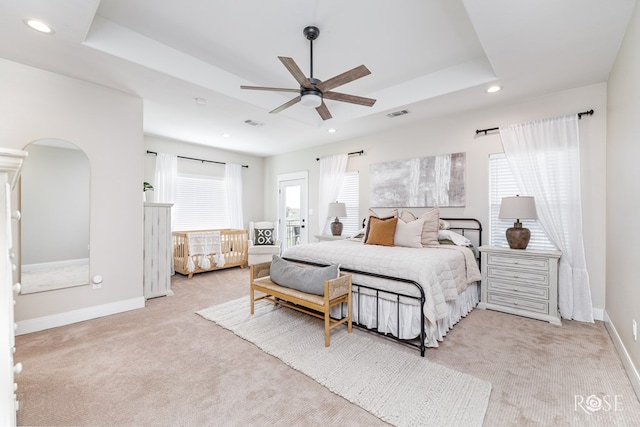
[197, 251]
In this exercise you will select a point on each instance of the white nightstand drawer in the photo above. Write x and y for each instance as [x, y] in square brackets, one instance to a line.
[510, 261]
[518, 289]
[527, 276]
[523, 304]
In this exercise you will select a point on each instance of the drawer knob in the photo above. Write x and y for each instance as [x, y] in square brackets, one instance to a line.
[515, 276]
[515, 303]
[515, 289]
[516, 262]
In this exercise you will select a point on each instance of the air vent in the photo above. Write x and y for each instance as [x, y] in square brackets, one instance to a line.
[397, 113]
[253, 122]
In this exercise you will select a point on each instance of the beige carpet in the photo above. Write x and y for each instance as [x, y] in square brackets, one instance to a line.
[401, 388]
[166, 366]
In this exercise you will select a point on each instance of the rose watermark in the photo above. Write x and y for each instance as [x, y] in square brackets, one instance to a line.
[593, 403]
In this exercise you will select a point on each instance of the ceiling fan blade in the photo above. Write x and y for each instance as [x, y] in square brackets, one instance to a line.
[295, 71]
[275, 89]
[353, 99]
[286, 105]
[346, 77]
[323, 111]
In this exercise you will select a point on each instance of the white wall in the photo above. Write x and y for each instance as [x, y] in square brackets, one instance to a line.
[623, 203]
[252, 177]
[457, 134]
[107, 126]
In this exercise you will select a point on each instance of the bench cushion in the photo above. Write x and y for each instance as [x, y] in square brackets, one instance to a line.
[305, 279]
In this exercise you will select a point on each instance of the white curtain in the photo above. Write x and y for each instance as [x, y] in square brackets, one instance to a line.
[233, 181]
[545, 160]
[166, 178]
[165, 184]
[331, 173]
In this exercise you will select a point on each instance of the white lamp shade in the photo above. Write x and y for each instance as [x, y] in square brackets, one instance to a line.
[518, 207]
[312, 100]
[337, 210]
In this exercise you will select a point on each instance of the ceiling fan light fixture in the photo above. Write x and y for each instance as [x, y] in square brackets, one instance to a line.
[311, 90]
[311, 98]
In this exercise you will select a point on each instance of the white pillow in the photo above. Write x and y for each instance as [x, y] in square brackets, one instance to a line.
[456, 238]
[409, 234]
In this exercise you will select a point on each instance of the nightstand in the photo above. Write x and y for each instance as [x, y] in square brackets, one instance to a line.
[323, 237]
[521, 282]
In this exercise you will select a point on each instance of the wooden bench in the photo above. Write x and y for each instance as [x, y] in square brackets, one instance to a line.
[336, 291]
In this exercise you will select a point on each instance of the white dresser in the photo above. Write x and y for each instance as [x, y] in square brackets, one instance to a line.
[10, 164]
[158, 250]
[522, 282]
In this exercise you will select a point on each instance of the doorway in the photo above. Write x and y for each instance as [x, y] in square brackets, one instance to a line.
[293, 209]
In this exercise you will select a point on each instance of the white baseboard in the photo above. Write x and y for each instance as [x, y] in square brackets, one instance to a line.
[629, 367]
[69, 317]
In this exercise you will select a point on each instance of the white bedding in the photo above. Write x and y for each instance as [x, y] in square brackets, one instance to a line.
[444, 272]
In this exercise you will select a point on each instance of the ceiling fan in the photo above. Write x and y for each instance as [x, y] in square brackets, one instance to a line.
[313, 92]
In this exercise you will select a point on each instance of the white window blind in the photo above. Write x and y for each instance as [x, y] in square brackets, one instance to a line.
[201, 203]
[502, 184]
[349, 195]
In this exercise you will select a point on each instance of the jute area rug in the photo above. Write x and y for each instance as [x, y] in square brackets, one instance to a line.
[397, 386]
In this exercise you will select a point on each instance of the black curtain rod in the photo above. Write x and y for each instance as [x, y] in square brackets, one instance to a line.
[354, 153]
[198, 160]
[590, 113]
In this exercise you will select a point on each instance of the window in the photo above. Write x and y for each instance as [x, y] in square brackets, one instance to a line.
[201, 203]
[502, 184]
[350, 195]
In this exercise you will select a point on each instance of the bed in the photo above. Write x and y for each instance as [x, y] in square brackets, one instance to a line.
[410, 294]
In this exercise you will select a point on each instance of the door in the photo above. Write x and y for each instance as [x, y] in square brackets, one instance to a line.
[292, 209]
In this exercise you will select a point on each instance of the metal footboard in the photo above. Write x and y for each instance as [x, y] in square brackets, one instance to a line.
[356, 290]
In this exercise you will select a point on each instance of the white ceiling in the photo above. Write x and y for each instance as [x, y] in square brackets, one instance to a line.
[430, 57]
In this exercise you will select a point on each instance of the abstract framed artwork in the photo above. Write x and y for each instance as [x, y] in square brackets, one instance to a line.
[419, 182]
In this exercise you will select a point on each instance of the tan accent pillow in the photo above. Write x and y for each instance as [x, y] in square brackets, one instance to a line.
[409, 234]
[430, 227]
[381, 231]
[374, 214]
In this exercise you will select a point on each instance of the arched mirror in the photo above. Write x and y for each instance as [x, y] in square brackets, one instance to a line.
[55, 217]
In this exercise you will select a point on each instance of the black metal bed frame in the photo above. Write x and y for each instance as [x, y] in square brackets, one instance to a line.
[421, 345]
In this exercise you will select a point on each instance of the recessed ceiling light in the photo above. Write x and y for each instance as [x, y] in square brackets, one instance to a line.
[332, 130]
[494, 89]
[226, 135]
[201, 101]
[38, 25]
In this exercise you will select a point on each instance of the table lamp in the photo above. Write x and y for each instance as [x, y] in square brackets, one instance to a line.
[518, 208]
[337, 210]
